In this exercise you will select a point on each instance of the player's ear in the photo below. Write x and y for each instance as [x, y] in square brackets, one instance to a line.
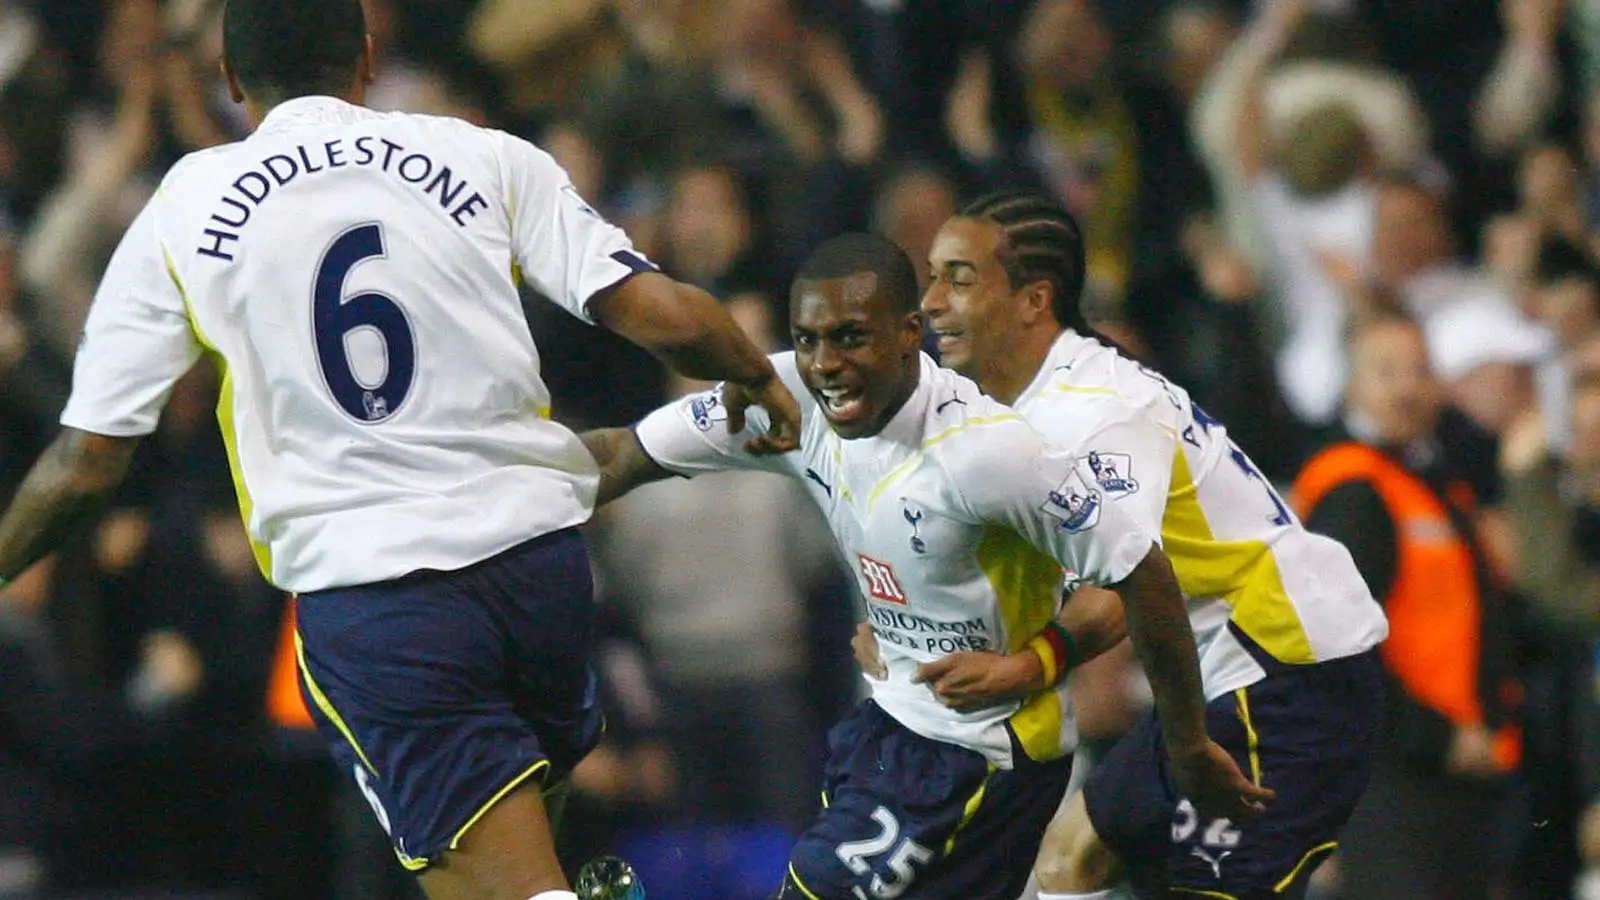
[912, 326]
[367, 55]
[235, 93]
[1038, 300]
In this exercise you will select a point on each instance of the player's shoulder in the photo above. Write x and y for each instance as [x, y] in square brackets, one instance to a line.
[788, 371]
[956, 405]
[1086, 382]
[192, 171]
[967, 431]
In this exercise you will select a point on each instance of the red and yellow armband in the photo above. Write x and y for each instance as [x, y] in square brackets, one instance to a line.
[1056, 651]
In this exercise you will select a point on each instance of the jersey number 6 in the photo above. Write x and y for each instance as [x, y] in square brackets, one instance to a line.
[335, 319]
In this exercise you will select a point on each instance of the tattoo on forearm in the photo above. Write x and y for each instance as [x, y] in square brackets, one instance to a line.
[63, 490]
[623, 463]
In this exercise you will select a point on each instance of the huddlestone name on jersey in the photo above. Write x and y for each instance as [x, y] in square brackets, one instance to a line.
[252, 189]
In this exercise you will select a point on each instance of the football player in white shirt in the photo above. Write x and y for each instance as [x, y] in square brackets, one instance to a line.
[1285, 624]
[355, 274]
[958, 519]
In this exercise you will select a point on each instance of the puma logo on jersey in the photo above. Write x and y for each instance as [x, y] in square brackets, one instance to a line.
[953, 400]
[826, 487]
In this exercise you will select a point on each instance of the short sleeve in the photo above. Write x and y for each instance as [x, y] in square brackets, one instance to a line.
[1129, 461]
[690, 435]
[563, 248]
[137, 341]
[1009, 476]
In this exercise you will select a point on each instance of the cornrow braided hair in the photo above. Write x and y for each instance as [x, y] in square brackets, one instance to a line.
[1041, 241]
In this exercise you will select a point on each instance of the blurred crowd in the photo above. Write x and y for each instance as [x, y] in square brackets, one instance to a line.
[1339, 223]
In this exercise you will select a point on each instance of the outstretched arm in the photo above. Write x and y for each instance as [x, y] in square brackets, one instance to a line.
[66, 486]
[689, 330]
[624, 464]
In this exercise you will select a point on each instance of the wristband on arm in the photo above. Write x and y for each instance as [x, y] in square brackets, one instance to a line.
[1056, 651]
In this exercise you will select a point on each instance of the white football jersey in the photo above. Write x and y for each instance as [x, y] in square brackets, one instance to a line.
[957, 519]
[355, 274]
[1239, 552]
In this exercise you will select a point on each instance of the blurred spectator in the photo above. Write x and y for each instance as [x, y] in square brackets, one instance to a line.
[33, 130]
[1388, 492]
[1487, 356]
[1289, 68]
[1313, 203]
[1518, 97]
[79, 226]
[1477, 336]
[719, 577]
[627, 782]
[1484, 96]
[911, 205]
[1565, 295]
[1198, 318]
[728, 137]
[65, 743]
[1107, 144]
[710, 237]
[1549, 190]
[1554, 501]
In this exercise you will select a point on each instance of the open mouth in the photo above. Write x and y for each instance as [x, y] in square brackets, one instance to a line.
[948, 338]
[843, 404]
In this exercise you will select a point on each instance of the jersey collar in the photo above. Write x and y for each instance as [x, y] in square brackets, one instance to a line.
[906, 426]
[1066, 348]
[311, 110]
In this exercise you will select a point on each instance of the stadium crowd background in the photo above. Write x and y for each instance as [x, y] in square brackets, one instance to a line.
[1251, 177]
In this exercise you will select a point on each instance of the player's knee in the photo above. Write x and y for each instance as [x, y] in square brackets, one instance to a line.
[1072, 858]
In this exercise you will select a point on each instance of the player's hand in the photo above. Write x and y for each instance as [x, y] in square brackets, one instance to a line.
[865, 645]
[972, 680]
[772, 395]
[1210, 778]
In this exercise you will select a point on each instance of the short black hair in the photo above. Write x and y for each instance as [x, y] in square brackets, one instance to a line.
[1040, 241]
[858, 252]
[294, 47]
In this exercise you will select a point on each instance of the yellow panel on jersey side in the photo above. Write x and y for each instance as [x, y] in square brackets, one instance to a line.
[1243, 573]
[225, 422]
[1026, 585]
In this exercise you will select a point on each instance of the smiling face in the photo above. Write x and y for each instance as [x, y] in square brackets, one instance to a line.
[969, 302]
[857, 353]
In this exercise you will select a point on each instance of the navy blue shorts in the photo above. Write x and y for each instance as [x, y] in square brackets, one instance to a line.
[1307, 732]
[909, 817]
[442, 691]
